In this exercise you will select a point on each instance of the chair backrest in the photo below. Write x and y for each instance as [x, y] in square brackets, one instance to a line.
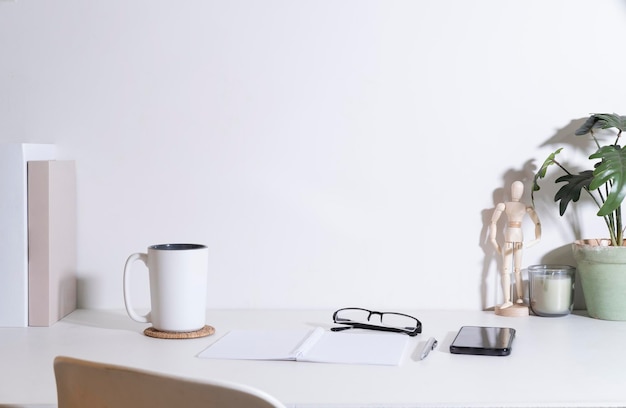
[87, 384]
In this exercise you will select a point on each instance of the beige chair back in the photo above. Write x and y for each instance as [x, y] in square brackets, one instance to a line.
[86, 384]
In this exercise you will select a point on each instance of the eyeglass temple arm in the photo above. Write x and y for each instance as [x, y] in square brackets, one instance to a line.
[353, 325]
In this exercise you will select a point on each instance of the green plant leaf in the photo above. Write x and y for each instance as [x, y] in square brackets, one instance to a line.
[575, 183]
[611, 120]
[587, 126]
[541, 173]
[610, 171]
[603, 121]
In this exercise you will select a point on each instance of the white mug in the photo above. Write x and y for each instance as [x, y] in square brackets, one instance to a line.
[178, 286]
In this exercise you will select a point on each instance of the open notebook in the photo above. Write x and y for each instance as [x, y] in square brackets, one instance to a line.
[317, 345]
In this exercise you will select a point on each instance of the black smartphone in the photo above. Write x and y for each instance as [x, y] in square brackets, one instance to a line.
[486, 341]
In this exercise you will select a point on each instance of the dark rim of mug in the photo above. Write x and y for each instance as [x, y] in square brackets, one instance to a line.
[176, 247]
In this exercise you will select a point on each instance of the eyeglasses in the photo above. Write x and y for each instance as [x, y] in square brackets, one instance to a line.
[358, 318]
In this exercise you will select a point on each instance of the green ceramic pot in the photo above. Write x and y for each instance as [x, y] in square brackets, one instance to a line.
[602, 272]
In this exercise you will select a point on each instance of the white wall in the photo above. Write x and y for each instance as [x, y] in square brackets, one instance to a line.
[330, 153]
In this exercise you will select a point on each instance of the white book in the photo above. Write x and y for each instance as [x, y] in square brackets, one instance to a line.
[312, 345]
[51, 240]
[14, 228]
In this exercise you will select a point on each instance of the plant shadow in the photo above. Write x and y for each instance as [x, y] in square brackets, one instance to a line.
[570, 222]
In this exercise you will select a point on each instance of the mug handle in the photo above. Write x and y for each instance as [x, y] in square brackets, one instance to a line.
[127, 268]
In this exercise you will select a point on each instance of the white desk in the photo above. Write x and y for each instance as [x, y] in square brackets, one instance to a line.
[569, 361]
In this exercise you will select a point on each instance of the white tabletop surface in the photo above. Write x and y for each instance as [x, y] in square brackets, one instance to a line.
[572, 361]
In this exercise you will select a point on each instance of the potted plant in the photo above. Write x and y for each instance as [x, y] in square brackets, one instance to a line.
[601, 262]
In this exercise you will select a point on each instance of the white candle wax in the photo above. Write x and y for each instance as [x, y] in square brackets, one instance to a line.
[551, 294]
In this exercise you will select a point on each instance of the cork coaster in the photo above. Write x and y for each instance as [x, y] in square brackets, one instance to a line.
[159, 334]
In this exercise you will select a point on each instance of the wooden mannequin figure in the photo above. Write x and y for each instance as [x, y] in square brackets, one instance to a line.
[513, 248]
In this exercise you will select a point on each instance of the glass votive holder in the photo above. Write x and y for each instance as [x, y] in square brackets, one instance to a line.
[551, 289]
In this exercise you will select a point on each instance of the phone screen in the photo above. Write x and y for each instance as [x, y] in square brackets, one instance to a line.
[479, 340]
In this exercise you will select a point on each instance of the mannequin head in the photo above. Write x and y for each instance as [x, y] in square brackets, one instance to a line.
[517, 190]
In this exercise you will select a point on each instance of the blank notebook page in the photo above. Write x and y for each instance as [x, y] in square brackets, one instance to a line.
[316, 345]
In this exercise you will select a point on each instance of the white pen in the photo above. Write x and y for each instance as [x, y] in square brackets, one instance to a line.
[430, 345]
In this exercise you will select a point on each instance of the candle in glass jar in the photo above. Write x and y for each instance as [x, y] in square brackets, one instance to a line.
[551, 289]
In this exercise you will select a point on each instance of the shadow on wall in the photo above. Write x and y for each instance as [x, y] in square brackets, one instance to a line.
[561, 255]
[564, 254]
[501, 195]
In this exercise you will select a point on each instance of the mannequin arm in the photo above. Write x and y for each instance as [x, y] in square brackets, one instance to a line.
[535, 218]
[493, 228]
